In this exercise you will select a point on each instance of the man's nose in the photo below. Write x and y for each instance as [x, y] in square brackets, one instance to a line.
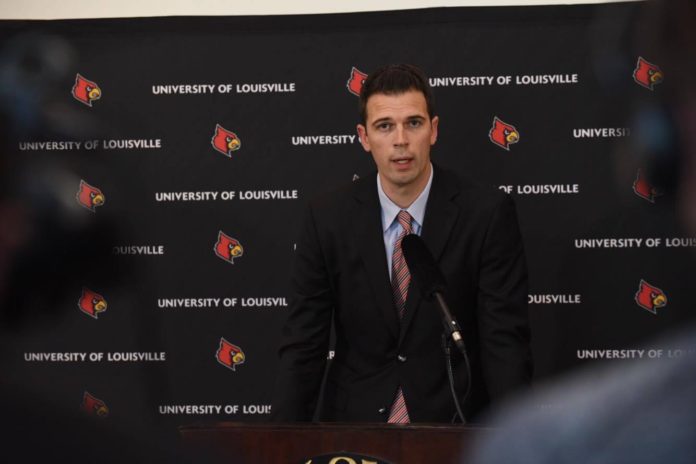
[400, 138]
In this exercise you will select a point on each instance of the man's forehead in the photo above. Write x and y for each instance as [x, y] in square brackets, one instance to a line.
[404, 104]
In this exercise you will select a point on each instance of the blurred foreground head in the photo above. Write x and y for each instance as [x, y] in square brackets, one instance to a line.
[667, 30]
[48, 247]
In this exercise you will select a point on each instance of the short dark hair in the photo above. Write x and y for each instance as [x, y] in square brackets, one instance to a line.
[394, 79]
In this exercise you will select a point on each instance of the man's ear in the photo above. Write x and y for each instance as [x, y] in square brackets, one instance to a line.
[362, 135]
[433, 133]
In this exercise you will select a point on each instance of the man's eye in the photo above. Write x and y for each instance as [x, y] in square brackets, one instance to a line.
[384, 126]
[415, 123]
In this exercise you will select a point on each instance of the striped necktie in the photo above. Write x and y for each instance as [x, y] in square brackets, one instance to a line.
[401, 277]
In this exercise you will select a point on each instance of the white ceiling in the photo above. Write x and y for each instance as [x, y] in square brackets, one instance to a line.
[64, 9]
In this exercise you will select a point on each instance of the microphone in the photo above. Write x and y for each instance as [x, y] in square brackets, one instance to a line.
[427, 275]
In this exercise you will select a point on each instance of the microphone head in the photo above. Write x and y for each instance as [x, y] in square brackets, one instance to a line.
[421, 264]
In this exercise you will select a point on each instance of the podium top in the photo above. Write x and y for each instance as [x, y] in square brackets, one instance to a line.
[296, 442]
[342, 426]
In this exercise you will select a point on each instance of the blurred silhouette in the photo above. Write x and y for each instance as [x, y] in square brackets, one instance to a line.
[640, 411]
[48, 249]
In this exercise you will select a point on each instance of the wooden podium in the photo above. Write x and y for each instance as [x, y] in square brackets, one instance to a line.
[297, 444]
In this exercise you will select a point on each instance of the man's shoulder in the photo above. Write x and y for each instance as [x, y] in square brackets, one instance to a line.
[360, 190]
[466, 191]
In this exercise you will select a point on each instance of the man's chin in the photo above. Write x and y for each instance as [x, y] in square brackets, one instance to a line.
[402, 179]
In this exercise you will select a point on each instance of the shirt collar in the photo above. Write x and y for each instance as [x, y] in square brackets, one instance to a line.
[390, 209]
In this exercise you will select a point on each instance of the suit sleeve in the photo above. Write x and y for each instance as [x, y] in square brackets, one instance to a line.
[502, 305]
[304, 339]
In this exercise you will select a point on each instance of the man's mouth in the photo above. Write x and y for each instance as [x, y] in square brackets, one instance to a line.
[402, 161]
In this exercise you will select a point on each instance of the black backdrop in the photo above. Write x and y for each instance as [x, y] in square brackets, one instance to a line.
[563, 76]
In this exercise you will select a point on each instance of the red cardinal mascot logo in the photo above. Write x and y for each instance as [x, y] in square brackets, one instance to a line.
[647, 74]
[89, 197]
[229, 355]
[85, 90]
[650, 298]
[643, 189]
[356, 81]
[91, 303]
[94, 406]
[225, 141]
[228, 248]
[503, 134]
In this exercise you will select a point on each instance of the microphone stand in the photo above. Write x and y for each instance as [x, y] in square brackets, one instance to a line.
[450, 334]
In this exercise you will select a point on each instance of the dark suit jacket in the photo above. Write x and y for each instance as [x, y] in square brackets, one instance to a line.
[341, 278]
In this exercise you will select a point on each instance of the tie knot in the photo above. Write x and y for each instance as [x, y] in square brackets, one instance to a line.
[405, 220]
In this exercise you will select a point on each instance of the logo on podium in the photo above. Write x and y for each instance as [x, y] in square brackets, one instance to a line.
[344, 458]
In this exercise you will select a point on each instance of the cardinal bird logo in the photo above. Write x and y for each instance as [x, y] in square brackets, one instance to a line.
[228, 248]
[643, 189]
[94, 406]
[90, 197]
[229, 355]
[647, 74]
[650, 297]
[85, 91]
[356, 81]
[225, 141]
[503, 134]
[91, 303]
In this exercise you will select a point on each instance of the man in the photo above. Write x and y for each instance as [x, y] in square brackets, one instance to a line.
[349, 271]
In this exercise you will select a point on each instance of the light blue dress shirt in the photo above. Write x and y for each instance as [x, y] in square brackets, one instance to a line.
[390, 224]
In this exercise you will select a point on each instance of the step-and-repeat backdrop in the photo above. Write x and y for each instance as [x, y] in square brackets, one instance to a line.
[161, 165]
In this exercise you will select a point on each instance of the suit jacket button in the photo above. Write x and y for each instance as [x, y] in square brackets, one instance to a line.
[382, 410]
[401, 358]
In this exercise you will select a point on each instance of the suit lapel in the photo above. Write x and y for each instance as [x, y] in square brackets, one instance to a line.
[367, 229]
[440, 216]
[440, 213]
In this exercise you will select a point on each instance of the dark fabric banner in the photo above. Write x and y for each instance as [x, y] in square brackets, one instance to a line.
[161, 167]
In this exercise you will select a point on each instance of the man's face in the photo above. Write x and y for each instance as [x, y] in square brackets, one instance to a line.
[399, 132]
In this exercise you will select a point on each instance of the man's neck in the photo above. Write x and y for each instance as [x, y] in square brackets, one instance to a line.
[404, 195]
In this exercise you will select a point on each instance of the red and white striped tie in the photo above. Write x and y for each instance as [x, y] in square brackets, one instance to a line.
[401, 277]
